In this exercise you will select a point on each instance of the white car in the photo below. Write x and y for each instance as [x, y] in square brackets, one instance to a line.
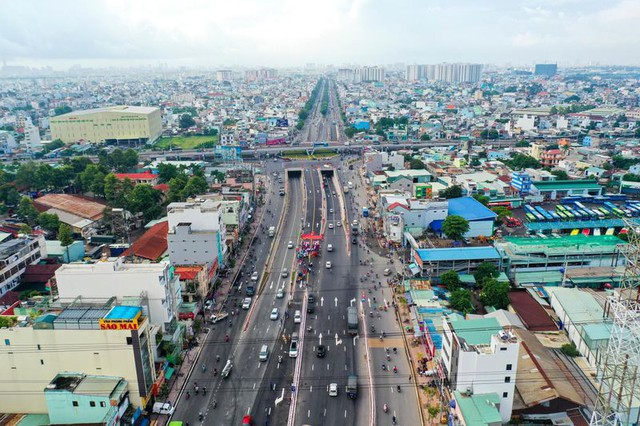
[254, 276]
[339, 224]
[246, 303]
[285, 273]
[280, 293]
[290, 245]
[328, 265]
[208, 305]
[297, 317]
[331, 226]
[275, 314]
[330, 210]
[333, 389]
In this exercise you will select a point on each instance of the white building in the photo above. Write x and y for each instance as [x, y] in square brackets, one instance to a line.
[479, 357]
[151, 285]
[416, 215]
[196, 233]
[7, 142]
[15, 255]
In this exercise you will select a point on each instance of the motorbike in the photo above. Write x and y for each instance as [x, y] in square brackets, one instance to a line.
[384, 367]
[204, 390]
[217, 358]
[200, 416]
[395, 351]
[215, 371]
[188, 395]
[381, 337]
[388, 357]
[395, 369]
[373, 329]
[204, 368]
[399, 391]
[393, 420]
[197, 389]
[385, 408]
[226, 338]
[214, 404]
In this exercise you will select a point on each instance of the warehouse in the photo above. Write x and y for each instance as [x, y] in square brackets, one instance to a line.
[117, 124]
[436, 261]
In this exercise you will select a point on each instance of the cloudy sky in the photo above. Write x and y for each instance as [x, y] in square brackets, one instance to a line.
[61, 33]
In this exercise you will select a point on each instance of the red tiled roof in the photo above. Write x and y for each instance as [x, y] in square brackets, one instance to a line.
[162, 187]
[74, 204]
[397, 204]
[187, 272]
[152, 244]
[532, 314]
[137, 176]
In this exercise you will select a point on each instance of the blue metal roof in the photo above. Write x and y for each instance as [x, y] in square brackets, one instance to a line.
[470, 209]
[123, 312]
[464, 253]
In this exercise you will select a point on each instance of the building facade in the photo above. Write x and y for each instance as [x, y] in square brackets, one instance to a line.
[15, 256]
[548, 70]
[110, 124]
[76, 339]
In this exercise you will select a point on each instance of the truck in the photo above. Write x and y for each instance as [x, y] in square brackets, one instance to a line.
[345, 189]
[352, 386]
[272, 231]
[352, 320]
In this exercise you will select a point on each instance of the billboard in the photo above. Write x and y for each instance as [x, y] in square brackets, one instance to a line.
[282, 122]
[279, 141]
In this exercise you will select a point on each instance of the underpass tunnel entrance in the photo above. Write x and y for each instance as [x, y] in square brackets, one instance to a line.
[327, 173]
[294, 173]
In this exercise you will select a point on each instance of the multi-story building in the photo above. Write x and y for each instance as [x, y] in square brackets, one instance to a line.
[31, 134]
[109, 340]
[551, 158]
[455, 73]
[7, 142]
[197, 233]
[416, 72]
[15, 256]
[364, 74]
[521, 182]
[109, 124]
[479, 357]
[223, 75]
[546, 69]
[151, 285]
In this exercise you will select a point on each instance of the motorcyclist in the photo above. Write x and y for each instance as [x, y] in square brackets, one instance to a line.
[385, 408]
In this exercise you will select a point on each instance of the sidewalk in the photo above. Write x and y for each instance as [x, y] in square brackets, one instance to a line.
[181, 375]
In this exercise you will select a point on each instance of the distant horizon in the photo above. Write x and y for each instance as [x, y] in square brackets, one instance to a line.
[289, 34]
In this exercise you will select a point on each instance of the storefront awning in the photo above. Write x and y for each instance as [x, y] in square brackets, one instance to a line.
[169, 373]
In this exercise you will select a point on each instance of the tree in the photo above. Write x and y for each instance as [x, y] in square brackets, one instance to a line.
[495, 293]
[451, 279]
[502, 213]
[176, 185]
[482, 199]
[455, 227]
[454, 191]
[489, 134]
[350, 131]
[111, 187]
[26, 210]
[570, 349]
[416, 164]
[62, 109]
[52, 146]
[145, 199]
[65, 238]
[93, 180]
[186, 121]
[485, 270]
[196, 185]
[48, 221]
[523, 144]
[425, 137]
[460, 300]
[166, 172]
[475, 163]
[522, 161]
[26, 176]
[560, 174]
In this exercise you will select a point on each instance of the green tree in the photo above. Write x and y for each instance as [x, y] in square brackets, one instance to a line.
[93, 180]
[425, 137]
[130, 159]
[502, 213]
[48, 221]
[176, 187]
[489, 134]
[196, 185]
[455, 227]
[350, 131]
[570, 349]
[475, 163]
[485, 270]
[454, 191]
[25, 229]
[166, 172]
[460, 300]
[416, 164]
[52, 146]
[186, 121]
[26, 210]
[560, 174]
[65, 237]
[111, 187]
[9, 195]
[522, 161]
[523, 144]
[26, 176]
[495, 293]
[482, 199]
[145, 199]
[62, 109]
[451, 279]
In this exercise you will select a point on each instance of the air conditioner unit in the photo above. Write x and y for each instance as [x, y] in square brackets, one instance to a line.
[469, 391]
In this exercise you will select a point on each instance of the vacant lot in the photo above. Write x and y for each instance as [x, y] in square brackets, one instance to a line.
[186, 142]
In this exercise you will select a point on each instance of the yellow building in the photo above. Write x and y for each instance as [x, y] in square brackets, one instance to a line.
[106, 341]
[110, 124]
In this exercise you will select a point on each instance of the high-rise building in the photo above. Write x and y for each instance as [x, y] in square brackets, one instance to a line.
[370, 74]
[548, 70]
[345, 74]
[223, 75]
[416, 72]
[110, 124]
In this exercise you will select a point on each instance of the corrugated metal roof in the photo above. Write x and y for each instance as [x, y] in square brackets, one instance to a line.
[79, 206]
[580, 306]
[466, 253]
[532, 314]
[470, 209]
[477, 331]
[153, 243]
[479, 409]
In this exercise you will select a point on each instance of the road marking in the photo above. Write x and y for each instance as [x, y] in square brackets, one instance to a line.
[308, 413]
[345, 414]
[322, 301]
[327, 367]
[320, 338]
[313, 367]
[336, 301]
[338, 341]
[325, 412]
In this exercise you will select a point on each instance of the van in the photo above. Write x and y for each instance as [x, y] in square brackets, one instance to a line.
[330, 247]
[163, 408]
[264, 353]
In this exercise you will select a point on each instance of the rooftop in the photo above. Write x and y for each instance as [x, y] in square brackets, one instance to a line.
[532, 314]
[112, 109]
[137, 176]
[476, 331]
[153, 243]
[479, 409]
[551, 185]
[85, 384]
[470, 209]
[465, 253]
[74, 204]
[123, 312]
[580, 306]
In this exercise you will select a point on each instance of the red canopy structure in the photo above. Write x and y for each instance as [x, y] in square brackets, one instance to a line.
[312, 236]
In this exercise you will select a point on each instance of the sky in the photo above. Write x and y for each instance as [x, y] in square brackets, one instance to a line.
[292, 33]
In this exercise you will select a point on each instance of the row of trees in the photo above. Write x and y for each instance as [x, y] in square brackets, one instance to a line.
[492, 292]
[306, 109]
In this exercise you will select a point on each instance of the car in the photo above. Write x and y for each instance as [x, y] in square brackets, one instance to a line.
[254, 276]
[329, 247]
[339, 224]
[387, 272]
[297, 317]
[246, 303]
[331, 226]
[328, 265]
[290, 245]
[330, 210]
[280, 293]
[208, 305]
[275, 314]
[285, 272]
[354, 240]
[333, 192]
[321, 351]
[333, 389]
[247, 421]
[293, 349]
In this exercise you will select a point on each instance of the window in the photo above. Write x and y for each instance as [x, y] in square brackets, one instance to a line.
[7, 342]
[92, 403]
[103, 404]
[507, 379]
[74, 403]
[509, 366]
[505, 394]
[38, 347]
[42, 362]
[503, 349]
[129, 341]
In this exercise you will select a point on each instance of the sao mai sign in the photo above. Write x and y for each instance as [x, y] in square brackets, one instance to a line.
[121, 325]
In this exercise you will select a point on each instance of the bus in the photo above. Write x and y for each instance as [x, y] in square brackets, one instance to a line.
[607, 213]
[556, 217]
[530, 217]
[531, 210]
[576, 214]
[568, 215]
[575, 232]
[616, 211]
[544, 213]
[594, 215]
[610, 231]
[562, 215]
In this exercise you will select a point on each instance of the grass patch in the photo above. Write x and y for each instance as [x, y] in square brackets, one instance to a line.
[187, 142]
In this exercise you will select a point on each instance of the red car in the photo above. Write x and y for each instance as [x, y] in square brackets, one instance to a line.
[246, 420]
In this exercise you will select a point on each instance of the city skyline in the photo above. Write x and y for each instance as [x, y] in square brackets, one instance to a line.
[282, 33]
